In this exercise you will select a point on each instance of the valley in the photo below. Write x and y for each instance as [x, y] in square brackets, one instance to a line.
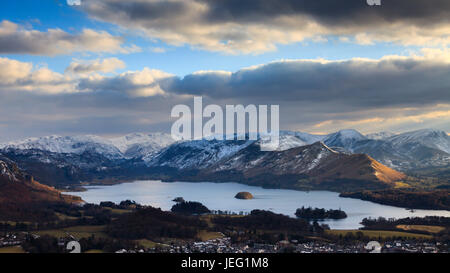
[345, 161]
[128, 227]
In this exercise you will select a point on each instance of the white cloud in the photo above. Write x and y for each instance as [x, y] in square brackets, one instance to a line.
[95, 66]
[15, 39]
[158, 50]
[19, 76]
[145, 83]
[12, 70]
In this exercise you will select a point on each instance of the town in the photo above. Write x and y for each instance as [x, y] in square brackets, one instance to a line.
[224, 245]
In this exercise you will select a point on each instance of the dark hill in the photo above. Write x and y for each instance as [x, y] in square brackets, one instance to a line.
[16, 187]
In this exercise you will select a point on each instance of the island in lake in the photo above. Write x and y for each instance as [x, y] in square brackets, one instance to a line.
[244, 195]
[190, 208]
[320, 214]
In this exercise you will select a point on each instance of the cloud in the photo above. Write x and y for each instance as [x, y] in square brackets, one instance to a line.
[356, 83]
[95, 66]
[419, 79]
[145, 83]
[15, 39]
[258, 26]
[18, 76]
[395, 93]
[158, 50]
[27, 114]
[389, 119]
[12, 70]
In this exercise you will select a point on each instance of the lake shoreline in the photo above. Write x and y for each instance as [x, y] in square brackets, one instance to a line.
[220, 196]
[353, 195]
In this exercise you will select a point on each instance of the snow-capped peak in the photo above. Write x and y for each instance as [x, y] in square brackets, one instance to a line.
[350, 133]
[152, 141]
[429, 137]
[132, 145]
[344, 138]
[290, 139]
[380, 135]
[66, 144]
[196, 153]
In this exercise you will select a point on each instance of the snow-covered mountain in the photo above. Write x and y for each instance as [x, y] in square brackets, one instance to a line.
[314, 166]
[204, 153]
[344, 139]
[72, 159]
[129, 146]
[315, 162]
[428, 137]
[58, 159]
[67, 145]
[289, 140]
[380, 135]
[407, 151]
[197, 154]
[302, 161]
[141, 145]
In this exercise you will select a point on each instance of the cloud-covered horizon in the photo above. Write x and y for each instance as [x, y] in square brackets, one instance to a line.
[393, 93]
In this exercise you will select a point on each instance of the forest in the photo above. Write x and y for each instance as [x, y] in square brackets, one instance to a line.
[320, 214]
[432, 200]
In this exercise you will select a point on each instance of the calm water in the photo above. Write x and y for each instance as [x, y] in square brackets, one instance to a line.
[221, 197]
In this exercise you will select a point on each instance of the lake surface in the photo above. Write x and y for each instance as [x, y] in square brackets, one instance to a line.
[220, 196]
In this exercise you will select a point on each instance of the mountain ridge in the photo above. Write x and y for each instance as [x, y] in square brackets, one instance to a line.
[71, 160]
[314, 166]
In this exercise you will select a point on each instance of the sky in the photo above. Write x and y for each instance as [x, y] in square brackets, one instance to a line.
[112, 67]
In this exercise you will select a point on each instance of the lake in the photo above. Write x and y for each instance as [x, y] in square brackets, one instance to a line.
[220, 196]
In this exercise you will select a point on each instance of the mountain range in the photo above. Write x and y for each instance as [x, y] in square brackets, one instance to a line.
[404, 152]
[309, 167]
[302, 160]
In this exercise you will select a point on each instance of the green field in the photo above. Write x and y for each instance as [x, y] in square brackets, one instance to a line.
[380, 234]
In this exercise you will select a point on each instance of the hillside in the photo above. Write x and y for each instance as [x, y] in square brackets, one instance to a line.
[313, 166]
[19, 188]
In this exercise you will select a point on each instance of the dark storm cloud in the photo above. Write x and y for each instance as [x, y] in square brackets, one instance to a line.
[351, 84]
[331, 11]
[141, 10]
[362, 83]
[255, 26]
